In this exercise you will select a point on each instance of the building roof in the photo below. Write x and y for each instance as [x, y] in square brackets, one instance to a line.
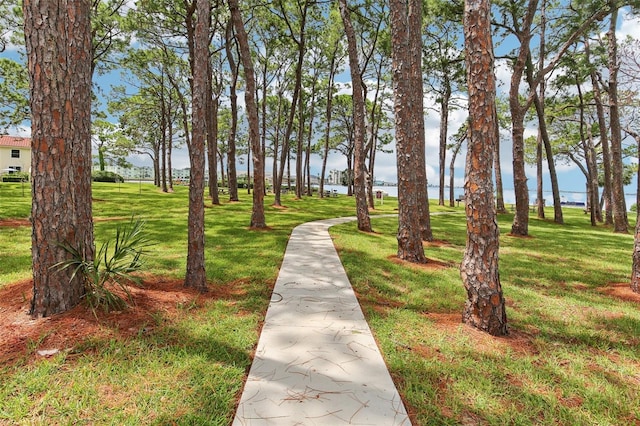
[15, 141]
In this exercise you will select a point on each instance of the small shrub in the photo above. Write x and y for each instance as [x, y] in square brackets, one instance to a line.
[16, 177]
[104, 176]
[110, 269]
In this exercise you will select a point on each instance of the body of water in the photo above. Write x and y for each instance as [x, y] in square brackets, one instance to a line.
[572, 198]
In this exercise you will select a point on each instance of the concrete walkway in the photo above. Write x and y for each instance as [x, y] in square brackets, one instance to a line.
[316, 362]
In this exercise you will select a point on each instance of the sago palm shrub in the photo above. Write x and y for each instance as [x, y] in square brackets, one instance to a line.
[112, 268]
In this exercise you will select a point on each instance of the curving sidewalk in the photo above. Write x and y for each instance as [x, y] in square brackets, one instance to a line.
[317, 362]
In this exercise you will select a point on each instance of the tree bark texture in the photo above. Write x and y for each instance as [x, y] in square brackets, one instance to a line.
[635, 270]
[406, 51]
[359, 171]
[620, 220]
[196, 275]
[164, 114]
[553, 176]
[500, 207]
[257, 212]
[301, 42]
[539, 177]
[327, 131]
[485, 306]
[58, 42]
[232, 175]
[604, 143]
[444, 127]
[299, 139]
[452, 168]
[520, 224]
[212, 137]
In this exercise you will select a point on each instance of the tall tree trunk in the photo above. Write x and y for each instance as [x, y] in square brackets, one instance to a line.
[520, 224]
[232, 175]
[620, 221]
[263, 118]
[485, 306]
[589, 162]
[452, 164]
[327, 132]
[295, 103]
[58, 42]
[196, 276]
[553, 176]
[604, 141]
[221, 159]
[249, 169]
[163, 143]
[592, 184]
[539, 181]
[299, 152]
[544, 140]
[156, 165]
[500, 207]
[373, 145]
[350, 174]
[169, 151]
[406, 42]
[276, 143]
[257, 212]
[359, 112]
[541, 91]
[375, 118]
[212, 137]
[635, 270]
[444, 127]
[307, 155]
[212, 151]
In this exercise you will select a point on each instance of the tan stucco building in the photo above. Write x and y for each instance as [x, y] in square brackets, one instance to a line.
[15, 154]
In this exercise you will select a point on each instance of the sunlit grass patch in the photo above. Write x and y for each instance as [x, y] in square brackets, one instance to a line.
[572, 354]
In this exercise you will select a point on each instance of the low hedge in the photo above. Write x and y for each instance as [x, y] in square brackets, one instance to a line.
[104, 176]
[16, 177]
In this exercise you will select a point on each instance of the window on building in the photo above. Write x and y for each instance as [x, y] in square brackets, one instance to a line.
[15, 153]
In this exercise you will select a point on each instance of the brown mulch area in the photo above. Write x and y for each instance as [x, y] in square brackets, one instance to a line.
[22, 335]
[13, 223]
[432, 264]
[621, 291]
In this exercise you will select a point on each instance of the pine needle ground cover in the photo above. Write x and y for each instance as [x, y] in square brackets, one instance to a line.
[178, 357]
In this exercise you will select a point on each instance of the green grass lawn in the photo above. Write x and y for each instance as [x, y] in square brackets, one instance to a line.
[572, 357]
[573, 354]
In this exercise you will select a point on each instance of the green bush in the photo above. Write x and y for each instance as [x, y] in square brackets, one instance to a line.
[16, 177]
[104, 176]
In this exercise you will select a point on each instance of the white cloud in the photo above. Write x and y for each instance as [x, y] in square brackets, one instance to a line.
[629, 26]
